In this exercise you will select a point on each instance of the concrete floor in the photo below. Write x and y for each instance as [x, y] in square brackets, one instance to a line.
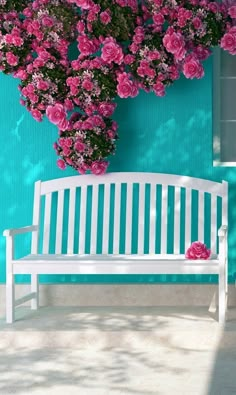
[129, 351]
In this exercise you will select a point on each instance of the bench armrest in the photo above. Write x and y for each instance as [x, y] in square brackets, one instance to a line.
[223, 231]
[17, 231]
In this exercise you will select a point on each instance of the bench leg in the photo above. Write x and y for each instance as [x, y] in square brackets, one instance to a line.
[222, 294]
[35, 289]
[10, 298]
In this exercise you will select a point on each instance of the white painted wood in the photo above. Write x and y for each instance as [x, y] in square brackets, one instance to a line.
[225, 222]
[116, 234]
[94, 220]
[188, 215]
[115, 263]
[106, 219]
[213, 223]
[47, 222]
[201, 216]
[59, 224]
[82, 227]
[34, 291]
[71, 223]
[10, 281]
[128, 227]
[164, 207]
[152, 226]
[177, 221]
[124, 177]
[141, 218]
[36, 215]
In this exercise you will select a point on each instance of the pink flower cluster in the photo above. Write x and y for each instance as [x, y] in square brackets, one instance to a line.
[85, 143]
[198, 250]
[123, 46]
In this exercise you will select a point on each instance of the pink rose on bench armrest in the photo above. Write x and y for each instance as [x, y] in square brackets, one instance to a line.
[197, 250]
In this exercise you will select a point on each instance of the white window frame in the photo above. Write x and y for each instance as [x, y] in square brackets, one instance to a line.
[218, 122]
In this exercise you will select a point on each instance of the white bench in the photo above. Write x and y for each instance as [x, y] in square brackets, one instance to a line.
[122, 223]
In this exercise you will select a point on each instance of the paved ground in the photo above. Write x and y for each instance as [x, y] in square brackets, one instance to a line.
[129, 351]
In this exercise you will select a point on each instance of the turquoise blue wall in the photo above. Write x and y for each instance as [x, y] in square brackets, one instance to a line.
[170, 135]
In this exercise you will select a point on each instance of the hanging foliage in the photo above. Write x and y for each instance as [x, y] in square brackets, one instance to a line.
[123, 46]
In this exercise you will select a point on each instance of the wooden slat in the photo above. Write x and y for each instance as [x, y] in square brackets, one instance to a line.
[36, 217]
[106, 219]
[164, 207]
[71, 223]
[60, 211]
[82, 227]
[116, 235]
[188, 215]
[94, 220]
[213, 223]
[128, 227]
[47, 221]
[141, 218]
[201, 216]
[152, 227]
[177, 221]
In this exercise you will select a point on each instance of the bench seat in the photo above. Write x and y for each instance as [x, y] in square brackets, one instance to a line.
[114, 264]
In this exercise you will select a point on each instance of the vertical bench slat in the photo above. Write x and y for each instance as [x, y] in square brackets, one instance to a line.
[36, 217]
[94, 220]
[188, 215]
[47, 222]
[116, 234]
[152, 231]
[106, 219]
[201, 216]
[177, 221]
[128, 227]
[213, 223]
[141, 218]
[71, 223]
[164, 208]
[82, 226]
[60, 211]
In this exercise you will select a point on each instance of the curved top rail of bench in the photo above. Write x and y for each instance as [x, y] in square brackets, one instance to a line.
[217, 188]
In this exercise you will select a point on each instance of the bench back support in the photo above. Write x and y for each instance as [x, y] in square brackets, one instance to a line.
[128, 213]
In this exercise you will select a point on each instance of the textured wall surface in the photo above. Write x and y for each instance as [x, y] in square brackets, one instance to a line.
[170, 135]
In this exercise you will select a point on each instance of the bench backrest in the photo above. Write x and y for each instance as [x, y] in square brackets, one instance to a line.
[128, 213]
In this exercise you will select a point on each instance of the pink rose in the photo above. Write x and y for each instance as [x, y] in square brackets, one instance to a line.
[42, 85]
[197, 250]
[86, 46]
[106, 109]
[87, 85]
[99, 167]
[47, 21]
[36, 114]
[197, 23]
[126, 87]
[232, 12]
[61, 164]
[56, 114]
[159, 89]
[111, 51]
[228, 42]
[84, 4]
[79, 146]
[175, 44]
[158, 19]
[17, 41]
[193, 68]
[105, 17]
[12, 59]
